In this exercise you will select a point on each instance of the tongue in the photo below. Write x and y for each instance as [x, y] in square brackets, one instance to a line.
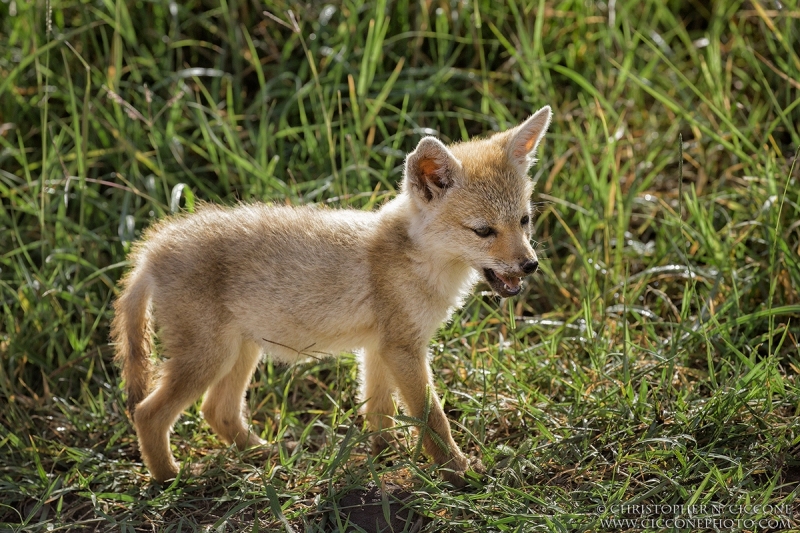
[511, 282]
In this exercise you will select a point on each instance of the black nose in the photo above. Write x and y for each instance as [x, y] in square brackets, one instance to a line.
[530, 266]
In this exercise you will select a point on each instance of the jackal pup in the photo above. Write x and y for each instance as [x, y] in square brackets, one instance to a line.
[225, 285]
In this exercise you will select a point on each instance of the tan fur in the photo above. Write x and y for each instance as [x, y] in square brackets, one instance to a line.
[226, 285]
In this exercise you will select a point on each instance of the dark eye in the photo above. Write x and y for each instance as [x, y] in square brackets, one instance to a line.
[484, 232]
[525, 220]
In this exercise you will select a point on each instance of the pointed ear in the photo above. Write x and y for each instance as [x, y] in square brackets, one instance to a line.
[430, 169]
[525, 138]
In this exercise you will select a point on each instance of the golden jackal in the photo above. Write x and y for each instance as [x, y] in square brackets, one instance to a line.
[225, 285]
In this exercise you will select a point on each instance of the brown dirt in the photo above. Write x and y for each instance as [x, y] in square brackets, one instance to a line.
[364, 508]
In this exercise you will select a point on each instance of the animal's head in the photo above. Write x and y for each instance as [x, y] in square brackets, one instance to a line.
[474, 201]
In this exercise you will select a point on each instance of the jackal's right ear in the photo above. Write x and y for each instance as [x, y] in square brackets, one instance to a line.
[430, 169]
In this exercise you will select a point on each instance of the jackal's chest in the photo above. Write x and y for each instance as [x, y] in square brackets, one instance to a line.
[435, 307]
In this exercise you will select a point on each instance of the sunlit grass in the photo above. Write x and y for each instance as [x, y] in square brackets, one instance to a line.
[653, 361]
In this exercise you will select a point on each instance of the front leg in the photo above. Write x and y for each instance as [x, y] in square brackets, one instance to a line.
[412, 376]
[377, 388]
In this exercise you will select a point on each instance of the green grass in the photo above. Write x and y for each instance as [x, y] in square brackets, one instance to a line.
[654, 361]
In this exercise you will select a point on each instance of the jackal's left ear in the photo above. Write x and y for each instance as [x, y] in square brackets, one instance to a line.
[430, 169]
[525, 138]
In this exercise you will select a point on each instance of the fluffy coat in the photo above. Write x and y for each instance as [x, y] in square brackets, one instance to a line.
[226, 285]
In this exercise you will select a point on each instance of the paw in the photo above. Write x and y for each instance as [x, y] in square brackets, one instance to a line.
[476, 465]
[244, 439]
[453, 470]
[382, 441]
[165, 472]
[264, 451]
[455, 475]
[254, 441]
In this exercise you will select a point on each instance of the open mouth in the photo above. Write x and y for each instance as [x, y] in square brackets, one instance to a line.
[505, 286]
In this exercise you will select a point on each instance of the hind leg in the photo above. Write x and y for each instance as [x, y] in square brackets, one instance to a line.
[191, 368]
[224, 405]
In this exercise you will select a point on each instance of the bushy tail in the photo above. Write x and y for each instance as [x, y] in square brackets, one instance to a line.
[132, 335]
